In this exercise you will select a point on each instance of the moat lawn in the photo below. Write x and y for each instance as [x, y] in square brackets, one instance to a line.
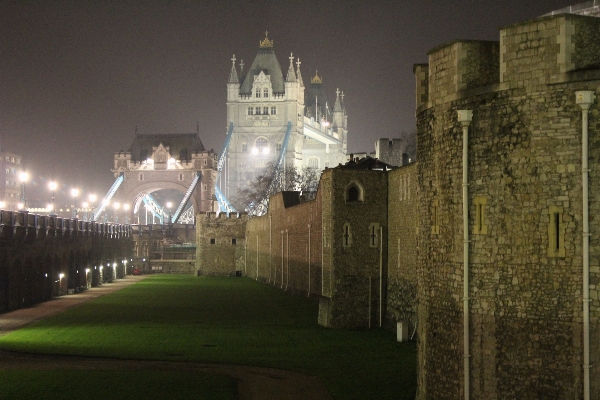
[231, 321]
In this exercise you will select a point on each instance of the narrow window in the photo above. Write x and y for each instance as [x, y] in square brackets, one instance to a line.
[250, 110]
[266, 110]
[180, 177]
[435, 217]
[556, 234]
[373, 235]
[213, 241]
[233, 241]
[244, 147]
[347, 236]
[205, 162]
[273, 110]
[258, 93]
[266, 93]
[141, 177]
[205, 187]
[480, 227]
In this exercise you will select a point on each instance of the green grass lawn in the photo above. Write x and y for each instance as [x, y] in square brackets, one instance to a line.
[227, 320]
[115, 385]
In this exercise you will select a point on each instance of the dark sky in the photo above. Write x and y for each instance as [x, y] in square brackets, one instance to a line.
[77, 77]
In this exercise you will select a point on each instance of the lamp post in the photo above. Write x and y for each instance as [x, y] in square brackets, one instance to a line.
[116, 207]
[23, 177]
[75, 193]
[92, 199]
[85, 206]
[52, 185]
[126, 208]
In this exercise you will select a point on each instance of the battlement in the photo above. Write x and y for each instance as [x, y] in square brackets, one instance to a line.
[214, 215]
[529, 55]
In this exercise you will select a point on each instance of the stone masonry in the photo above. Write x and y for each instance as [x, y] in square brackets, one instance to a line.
[220, 243]
[525, 214]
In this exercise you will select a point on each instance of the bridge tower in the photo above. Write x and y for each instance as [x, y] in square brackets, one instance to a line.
[261, 103]
[157, 162]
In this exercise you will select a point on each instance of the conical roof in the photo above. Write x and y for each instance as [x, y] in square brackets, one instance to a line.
[267, 62]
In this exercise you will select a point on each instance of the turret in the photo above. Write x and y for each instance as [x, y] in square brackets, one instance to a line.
[291, 83]
[233, 85]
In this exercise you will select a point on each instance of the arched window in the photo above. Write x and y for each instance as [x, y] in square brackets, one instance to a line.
[313, 162]
[354, 192]
[261, 142]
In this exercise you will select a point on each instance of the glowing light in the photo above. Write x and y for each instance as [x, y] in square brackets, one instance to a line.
[171, 161]
[85, 204]
[23, 176]
[52, 185]
[74, 192]
[169, 204]
[92, 197]
[254, 151]
[265, 150]
[149, 161]
[20, 206]
[60, 276]
[126, 207]
[87, 270]
[2, 204]
[116, 205]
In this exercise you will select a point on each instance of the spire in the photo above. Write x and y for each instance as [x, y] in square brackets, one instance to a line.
[233, 77]
[337, 107]
[291, 75]
[298, 74]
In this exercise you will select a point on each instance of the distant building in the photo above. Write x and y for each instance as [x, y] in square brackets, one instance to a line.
[10, 187]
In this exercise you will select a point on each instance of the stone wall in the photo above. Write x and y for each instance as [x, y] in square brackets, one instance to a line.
[389, 151]
[402, 248]
[220, 243]
[284, 246]
[43, 257]
[357, 262]
[524, 216]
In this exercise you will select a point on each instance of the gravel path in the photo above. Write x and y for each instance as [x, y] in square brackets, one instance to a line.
[254, 383]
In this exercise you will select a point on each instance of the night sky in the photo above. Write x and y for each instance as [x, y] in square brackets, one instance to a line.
[77, 77]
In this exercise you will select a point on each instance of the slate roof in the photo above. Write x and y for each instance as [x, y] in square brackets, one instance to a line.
[265, 61]
[181, 145]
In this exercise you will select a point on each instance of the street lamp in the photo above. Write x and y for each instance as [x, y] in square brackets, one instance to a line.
[23, 177]
[85, 205]
[52, 185]
[75, 193]
[126, 208]
[92, 198]
[116, 207]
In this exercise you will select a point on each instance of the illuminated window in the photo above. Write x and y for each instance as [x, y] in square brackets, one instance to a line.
[261, 142]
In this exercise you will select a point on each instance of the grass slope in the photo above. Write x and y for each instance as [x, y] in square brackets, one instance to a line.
[227, 320]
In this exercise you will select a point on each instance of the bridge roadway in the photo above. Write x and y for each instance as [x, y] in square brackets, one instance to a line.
[253, 383]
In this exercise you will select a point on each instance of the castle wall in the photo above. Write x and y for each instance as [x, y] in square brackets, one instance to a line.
[220, 243]
[526, 247]
[284, 246]
[402, 248]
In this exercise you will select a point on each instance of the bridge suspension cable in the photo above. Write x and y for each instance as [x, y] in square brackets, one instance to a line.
[224, 204]
[109, 195]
